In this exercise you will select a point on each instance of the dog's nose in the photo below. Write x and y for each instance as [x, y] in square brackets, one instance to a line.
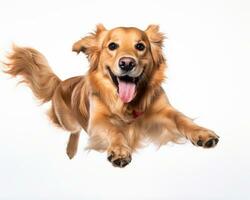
[127, 63]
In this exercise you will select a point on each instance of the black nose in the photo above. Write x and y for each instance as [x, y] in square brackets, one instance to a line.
[127, 63]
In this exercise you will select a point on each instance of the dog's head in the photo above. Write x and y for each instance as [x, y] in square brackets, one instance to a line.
[127, 56]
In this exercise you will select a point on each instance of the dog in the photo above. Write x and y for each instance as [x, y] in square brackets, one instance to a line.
[119, 102]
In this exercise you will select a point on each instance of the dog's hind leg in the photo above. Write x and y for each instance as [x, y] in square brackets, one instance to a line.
[73, 144]
[67, 121]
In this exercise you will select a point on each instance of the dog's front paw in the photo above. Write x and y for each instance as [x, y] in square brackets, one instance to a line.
[204, 138]
[119, 156]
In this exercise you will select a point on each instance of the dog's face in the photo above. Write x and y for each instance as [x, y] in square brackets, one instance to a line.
[127, 56]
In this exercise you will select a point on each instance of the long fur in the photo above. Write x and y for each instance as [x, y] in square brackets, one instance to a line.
[34, 69]
[91, 102]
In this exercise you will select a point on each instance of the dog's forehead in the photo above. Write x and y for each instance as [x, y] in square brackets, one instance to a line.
[126, 33]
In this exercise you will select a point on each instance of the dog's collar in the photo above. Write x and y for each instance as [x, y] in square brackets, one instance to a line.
[134, 114]
[137, 114]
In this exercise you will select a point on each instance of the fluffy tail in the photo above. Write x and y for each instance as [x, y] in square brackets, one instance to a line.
[34, 70]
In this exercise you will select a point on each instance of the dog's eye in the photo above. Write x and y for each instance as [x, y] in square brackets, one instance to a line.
[112, 46]
[140, 46]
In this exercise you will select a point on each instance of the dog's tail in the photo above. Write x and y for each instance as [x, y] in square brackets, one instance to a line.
[34, 70]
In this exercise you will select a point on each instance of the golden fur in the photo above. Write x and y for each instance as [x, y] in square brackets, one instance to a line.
[91, 102]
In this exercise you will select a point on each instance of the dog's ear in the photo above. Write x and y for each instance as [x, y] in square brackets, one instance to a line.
[91, 45]
[156, 39]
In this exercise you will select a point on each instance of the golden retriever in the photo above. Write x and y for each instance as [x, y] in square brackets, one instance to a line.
[119, 102]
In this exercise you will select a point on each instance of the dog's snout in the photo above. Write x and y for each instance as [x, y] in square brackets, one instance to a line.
[127, 63]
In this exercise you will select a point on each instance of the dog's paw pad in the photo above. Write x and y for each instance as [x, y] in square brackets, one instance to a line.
[211, 143]
[205, 138]
[110, 157]
[119, 158]
[120, 162]
[199, 143]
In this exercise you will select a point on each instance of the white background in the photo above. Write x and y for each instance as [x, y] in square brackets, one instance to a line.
[207, 48]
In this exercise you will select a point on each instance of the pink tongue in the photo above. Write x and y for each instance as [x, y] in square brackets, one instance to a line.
[126, 91]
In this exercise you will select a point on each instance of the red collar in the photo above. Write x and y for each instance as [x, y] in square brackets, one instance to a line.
[136, 114]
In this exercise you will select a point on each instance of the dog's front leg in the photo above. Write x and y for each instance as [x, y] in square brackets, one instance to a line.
[105, 135]
[173, 123]
[198, 135]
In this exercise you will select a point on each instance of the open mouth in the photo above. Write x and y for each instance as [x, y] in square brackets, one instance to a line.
[126, 86]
